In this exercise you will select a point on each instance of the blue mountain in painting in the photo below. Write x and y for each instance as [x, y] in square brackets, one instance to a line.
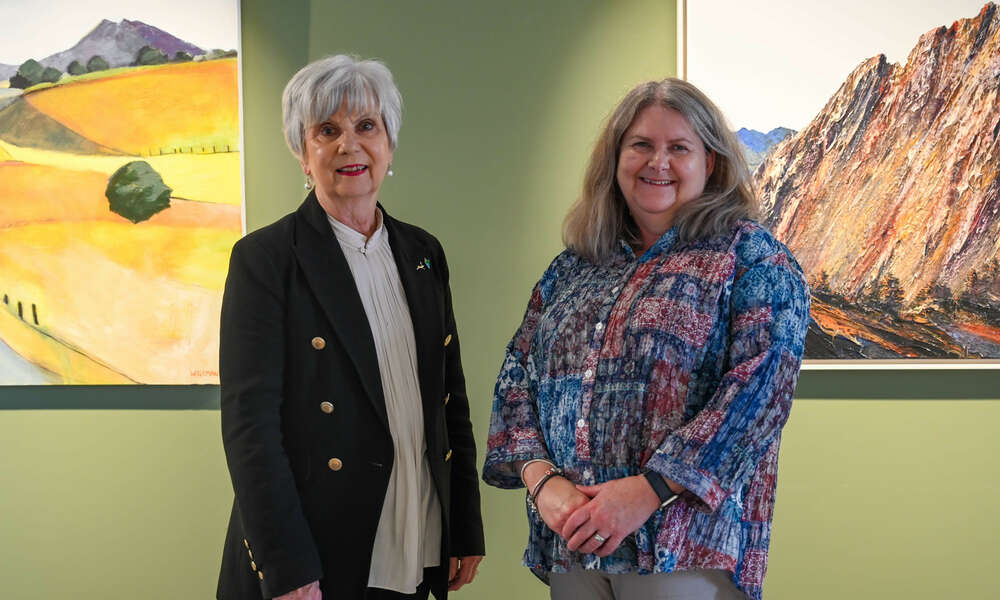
[762, 142]
[756, 145]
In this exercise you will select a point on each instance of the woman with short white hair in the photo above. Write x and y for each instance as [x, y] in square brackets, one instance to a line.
[345, 420]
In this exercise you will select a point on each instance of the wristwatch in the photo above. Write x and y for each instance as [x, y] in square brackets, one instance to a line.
[659, 485]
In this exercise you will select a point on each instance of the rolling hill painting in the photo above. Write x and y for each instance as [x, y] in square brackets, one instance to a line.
[120, 198]
[890, 199]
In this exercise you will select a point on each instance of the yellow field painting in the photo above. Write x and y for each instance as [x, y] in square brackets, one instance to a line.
[196, 256]
[63, 364]
[101, 300]
[41, 193]
[32, 193]
[183, 107]
[94, 298]
[201, 177]
[88, 296]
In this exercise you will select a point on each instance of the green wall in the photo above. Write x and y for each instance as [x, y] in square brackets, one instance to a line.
[887, 481]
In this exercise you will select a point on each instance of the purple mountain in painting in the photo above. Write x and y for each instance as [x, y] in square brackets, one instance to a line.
[119, 43]
[7, 71]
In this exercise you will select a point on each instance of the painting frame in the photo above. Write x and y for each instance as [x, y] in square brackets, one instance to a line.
[835, 364]
[206, 380]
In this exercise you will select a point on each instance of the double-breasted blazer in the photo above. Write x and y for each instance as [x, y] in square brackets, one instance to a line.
[304, 422]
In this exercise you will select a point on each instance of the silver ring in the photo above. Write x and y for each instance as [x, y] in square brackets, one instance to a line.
[600, 538]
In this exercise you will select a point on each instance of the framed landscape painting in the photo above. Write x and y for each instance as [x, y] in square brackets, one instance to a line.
[873, 134]
[120, 189]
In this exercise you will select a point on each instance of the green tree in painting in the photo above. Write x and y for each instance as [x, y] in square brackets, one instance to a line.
[28, 74]
[217, 53]
[51, 74]
[137, 192]
[75, 68]
[32, 72]
[149, 55]
[182, 56]
[97, 63]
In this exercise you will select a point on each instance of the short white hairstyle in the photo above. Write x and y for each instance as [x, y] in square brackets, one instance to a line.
[320, 88]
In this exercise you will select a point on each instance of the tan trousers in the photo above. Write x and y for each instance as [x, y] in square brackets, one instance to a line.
[698, 584]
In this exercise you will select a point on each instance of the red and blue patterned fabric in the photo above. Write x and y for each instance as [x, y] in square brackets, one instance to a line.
[683, 361]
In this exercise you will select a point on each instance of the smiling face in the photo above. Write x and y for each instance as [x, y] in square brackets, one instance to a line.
[347, 155]
[662, 165]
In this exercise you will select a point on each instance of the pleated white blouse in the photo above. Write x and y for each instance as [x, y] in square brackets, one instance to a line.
[409, 530]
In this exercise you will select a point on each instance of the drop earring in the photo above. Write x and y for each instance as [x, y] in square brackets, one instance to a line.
[389, 172]
[308, 185]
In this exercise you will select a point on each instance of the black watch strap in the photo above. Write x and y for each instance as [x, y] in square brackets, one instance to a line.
[659, 485]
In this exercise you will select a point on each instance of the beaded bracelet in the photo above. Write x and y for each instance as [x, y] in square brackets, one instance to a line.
[534, 460]
[533, 496]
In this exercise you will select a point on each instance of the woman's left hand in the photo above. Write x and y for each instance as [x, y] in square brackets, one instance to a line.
[617, 508]
[462, 571]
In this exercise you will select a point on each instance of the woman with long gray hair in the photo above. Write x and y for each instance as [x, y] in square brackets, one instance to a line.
[641, 400]
[345, 420]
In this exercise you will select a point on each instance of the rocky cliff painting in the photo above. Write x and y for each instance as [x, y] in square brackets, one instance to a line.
[889, 196]
[120, 190]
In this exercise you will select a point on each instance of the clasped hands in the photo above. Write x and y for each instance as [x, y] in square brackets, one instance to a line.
[613, 510]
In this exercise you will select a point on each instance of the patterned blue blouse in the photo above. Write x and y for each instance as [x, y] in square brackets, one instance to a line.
[683, 361]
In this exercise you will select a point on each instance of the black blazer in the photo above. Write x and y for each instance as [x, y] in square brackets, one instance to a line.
[304, 424]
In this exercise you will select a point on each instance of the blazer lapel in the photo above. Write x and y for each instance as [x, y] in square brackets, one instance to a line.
[413, 261]
[329, 276]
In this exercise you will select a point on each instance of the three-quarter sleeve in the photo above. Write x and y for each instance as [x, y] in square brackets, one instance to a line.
[718, 450]
[515, 432]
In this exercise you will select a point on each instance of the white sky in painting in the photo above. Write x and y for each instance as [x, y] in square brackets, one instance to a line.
[36, 29]
[776, 63]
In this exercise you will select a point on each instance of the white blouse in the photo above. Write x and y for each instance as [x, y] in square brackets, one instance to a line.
[409, 530]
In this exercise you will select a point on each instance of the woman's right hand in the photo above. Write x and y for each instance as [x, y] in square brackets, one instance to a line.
[307, 592]
[557, 500]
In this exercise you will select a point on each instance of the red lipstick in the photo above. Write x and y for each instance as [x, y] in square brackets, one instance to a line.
[352, 170]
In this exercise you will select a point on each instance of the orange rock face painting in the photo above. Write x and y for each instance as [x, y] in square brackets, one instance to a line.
[890, 199]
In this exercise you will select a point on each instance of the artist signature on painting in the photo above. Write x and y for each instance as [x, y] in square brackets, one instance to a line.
[204, 373]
